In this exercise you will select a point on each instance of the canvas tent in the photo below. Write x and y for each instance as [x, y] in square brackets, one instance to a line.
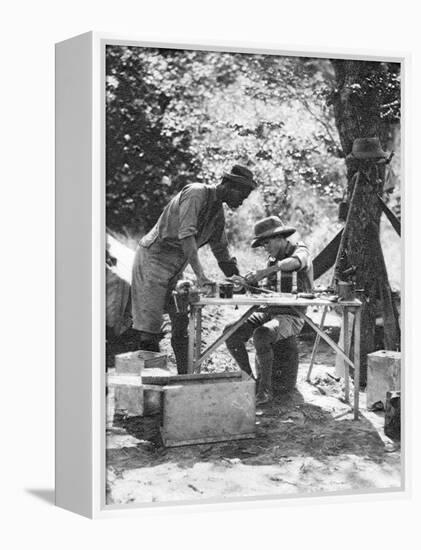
[119, 260]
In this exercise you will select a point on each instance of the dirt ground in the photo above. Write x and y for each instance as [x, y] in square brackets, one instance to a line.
[306, 442]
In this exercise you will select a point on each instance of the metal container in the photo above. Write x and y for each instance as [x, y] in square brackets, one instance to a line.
[346, 291]
[226, 290]
[210, 289]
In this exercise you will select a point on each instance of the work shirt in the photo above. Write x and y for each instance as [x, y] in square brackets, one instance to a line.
[304, 273]
[194, 212]
[159, 260]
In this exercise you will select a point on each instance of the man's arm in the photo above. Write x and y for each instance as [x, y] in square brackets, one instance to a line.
[190, 251]
[287, 264]
[219, 246]
[191, 202]
[299, 260]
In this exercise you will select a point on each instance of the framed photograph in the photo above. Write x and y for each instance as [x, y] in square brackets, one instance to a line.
[229, 274]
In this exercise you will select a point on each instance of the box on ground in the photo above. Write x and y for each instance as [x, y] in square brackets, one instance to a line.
[208, 410]
[383, 375]
[126, 394]
[134, 362]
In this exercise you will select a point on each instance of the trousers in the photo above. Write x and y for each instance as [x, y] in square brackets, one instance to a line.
[266, 330]
[156, 270]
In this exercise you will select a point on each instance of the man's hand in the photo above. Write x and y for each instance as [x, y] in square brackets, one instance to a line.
[237, 279]
[254, 277]
[202, 280]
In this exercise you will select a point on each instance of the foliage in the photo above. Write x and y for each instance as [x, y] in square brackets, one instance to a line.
[366, 101]
[177, 116]
[142, 145]
[372, 86]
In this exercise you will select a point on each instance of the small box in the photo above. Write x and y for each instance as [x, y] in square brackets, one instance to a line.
[383, 375]
[133, 362]
[126, 392]
[204, 411]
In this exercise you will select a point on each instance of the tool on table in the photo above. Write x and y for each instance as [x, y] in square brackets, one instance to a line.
[242, 284]
[185, 293]
[306, 295]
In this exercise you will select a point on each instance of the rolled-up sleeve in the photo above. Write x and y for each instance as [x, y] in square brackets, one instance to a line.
[302, 254]
[191, 202]
[219, 242]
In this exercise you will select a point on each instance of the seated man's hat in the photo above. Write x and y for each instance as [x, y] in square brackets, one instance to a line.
[242, 175]
[268, 228]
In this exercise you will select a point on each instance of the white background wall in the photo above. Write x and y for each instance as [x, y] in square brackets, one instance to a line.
[28, 33]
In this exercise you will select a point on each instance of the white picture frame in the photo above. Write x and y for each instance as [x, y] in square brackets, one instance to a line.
[80, 285]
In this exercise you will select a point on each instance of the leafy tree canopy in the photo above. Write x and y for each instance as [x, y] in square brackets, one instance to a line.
[175, 116]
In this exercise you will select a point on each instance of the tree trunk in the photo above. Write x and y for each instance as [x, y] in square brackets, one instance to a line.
[357, 116]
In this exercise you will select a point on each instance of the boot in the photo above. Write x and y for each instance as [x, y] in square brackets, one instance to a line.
[238, 351]
[264, 393]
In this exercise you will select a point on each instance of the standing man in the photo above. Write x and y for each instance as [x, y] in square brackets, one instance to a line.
[193, 218]
[271, 324]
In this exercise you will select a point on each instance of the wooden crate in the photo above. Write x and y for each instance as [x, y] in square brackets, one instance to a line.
[125, 393]
[134, 362]
[165, 377]
[154, 381]
[208, 410]
[383, 375]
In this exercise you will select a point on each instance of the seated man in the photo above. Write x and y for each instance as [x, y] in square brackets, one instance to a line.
[270, 324]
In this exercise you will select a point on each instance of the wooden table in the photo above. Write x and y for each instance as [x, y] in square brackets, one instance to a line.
[196, 356]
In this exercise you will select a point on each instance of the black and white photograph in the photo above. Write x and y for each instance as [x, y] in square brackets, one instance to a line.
[253, 274]
[210, 256]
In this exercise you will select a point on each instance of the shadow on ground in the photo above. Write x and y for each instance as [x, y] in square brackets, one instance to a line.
[47, 495]
[290, 427]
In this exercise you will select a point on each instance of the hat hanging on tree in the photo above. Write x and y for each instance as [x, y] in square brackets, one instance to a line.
[268, 228]
[242, 175]
[368, 149]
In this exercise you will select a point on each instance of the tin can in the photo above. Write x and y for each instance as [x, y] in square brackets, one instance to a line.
[226, 290]
[210, 289]
[346, 291]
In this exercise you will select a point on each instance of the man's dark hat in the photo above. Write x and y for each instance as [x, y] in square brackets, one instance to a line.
[268, 228]
[242, 175]
[366, 149]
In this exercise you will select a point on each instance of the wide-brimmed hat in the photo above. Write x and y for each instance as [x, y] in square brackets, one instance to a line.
[367, 148]
[242, 175]
[268, 228]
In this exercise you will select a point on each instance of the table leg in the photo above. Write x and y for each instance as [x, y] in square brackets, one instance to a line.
[345, 327]
[325, 337]
[198, 339]
[224, 336]
[191, 343]
[316, 344]
[357, 336]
